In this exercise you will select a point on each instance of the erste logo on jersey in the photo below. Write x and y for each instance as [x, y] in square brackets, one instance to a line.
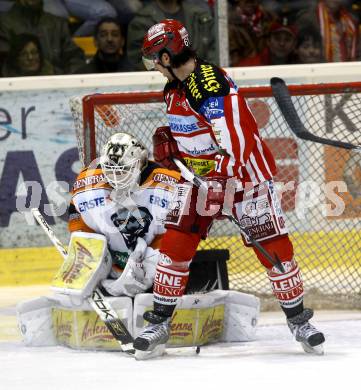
[185, 124]
[158, 201]
[92, 203]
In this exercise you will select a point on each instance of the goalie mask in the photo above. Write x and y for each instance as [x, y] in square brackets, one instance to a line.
[122, 160]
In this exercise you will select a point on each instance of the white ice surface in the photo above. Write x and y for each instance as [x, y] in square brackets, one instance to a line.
[273, 361]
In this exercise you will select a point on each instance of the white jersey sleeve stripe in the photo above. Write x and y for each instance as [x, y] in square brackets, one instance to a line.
[251, 172]
[260, 149]
[255, 166]
[237, 126]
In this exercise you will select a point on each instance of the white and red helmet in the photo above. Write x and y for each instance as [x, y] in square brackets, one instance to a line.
[169, 35]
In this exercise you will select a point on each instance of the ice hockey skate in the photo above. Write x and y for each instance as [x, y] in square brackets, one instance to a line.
[310, 338]
[151, 342]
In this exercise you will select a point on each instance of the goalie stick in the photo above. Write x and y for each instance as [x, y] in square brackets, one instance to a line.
[191, 177]
[288, 110]
[98, 302]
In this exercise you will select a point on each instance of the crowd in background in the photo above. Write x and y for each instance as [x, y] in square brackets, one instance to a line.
[39, 37]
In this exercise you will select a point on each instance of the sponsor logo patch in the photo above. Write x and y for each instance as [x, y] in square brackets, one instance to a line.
[185, 124]
[90, 204]
[158, 201]
[89, 181]
[208, 79]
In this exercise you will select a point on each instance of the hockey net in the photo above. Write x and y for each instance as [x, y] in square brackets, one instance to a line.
[320, 185]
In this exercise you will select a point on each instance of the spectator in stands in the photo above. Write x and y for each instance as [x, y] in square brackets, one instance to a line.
[126, 9]
[28, 16]
[248, 25]
[337, 26]
[286, 8]
[90, 12]
[110, 56]
[197, 20]
[25, 58]
[281, 42]
[309, 46]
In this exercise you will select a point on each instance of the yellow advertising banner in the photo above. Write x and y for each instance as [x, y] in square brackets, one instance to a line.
[85, 330]
[82, 329]
[197, 326]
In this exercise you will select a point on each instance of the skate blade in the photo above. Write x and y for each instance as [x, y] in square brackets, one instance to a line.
[158, 351]
[317, 350]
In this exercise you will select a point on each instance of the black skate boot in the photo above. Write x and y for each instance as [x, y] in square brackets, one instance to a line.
[151, 341]
[310, 338]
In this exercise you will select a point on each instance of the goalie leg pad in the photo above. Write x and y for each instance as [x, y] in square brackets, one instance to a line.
[87, 263]
[35, 322]
[219, 315]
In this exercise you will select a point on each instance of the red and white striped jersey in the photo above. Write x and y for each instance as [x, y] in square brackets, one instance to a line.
[214, 127]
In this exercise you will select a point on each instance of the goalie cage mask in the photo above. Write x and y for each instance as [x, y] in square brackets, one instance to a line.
[122, 160]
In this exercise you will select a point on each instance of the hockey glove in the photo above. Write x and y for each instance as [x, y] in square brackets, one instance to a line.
[138, 274]
[165, 148]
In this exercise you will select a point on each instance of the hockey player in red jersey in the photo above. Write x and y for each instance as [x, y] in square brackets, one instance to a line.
[212, 130]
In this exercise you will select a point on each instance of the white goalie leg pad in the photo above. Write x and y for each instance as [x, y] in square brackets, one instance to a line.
[46, 321]
[217, 316]
[241, 317]
[35, 322]
[87, 263]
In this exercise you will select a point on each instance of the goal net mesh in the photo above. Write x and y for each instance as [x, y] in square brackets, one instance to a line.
[320, 186]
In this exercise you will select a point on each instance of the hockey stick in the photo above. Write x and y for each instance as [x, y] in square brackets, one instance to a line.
[191, 177]
[285, 104]
[98, 302]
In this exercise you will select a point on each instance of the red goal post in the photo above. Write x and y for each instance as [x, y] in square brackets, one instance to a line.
[320, 185]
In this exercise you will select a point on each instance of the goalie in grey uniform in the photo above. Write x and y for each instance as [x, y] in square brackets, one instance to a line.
[117, 206]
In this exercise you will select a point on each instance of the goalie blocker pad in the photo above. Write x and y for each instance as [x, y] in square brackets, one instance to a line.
[87, 263]
[217, 316]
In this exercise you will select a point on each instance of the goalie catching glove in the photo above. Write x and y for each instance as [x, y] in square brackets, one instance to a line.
[138, 274]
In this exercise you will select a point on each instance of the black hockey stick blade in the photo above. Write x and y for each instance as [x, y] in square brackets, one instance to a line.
[288, 110]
